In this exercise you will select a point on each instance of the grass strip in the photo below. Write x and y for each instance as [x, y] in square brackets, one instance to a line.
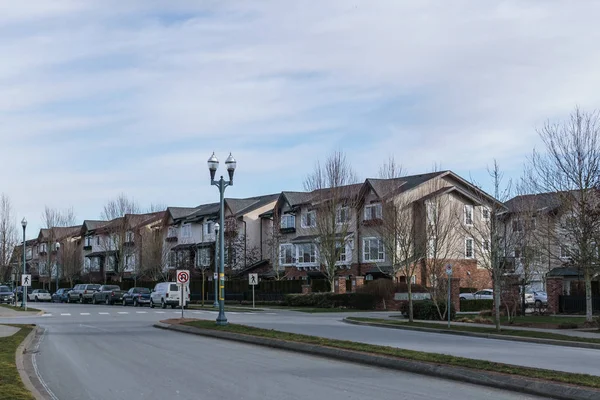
[18, 308]
[483, 329]
[227, 308]
[11, 386]
[555, 376]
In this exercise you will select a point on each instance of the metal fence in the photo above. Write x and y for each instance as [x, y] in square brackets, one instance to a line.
[576, 304]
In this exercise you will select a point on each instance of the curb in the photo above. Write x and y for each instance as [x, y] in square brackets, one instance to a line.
[552, 342]
[20, 361]
[482, 378]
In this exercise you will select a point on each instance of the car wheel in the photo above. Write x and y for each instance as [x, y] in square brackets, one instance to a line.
[462, 298]
[163, 305]
[124, 303]
[36, 299]
[151, 304]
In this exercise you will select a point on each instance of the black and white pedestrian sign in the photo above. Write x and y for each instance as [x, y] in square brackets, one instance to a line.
[253, 279]
[26, 280]
[183, 276]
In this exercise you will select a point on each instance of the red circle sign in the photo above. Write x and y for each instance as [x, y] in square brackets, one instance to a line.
[183, 277]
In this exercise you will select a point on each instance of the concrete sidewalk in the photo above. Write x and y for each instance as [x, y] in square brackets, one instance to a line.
[8, 313]
[6, 331]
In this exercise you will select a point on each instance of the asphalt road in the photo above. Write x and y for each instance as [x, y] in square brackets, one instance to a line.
[99, 352]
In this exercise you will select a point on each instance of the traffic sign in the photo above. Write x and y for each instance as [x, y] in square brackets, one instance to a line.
[448, 269]
[26, 280]
[253, 279]
[183, 276]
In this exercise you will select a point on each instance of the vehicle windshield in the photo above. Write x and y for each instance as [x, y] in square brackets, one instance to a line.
[4, 289]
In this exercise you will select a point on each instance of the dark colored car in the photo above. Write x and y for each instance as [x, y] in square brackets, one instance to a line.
[138, 296]
[6, 295]
[61, 296]
[107, 294]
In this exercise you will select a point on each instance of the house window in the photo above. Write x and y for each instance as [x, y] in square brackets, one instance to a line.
[468, 214]
[29, 252]
[288, 221]
[42, 268]
[203, 257]
[517, 225]
[373, 250]
[342, 215]
[432, 212]
[309, 219]
[129, 237]
[87, 264]
[373, 211]
[565, 252]
[186, 231]
[486, 245]
[43, 248]
[98, 240]
[172, 232]
[286, 254]
[345, 254]
[469, 249]
[110, 263]
[95, 264]
[129, 262]
[172, 259]
[88, 241]
[485, 213]
[209, 228]
[307, 253]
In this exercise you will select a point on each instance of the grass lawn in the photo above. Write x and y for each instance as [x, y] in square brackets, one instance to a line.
[11, 386]
[484, 329]
[543, 320]
[208, 307]
[19, 308]
[323, 310]
[557, 376]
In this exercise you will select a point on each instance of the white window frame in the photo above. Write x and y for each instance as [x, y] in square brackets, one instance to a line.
[313, 255]
[129, 237]
[43, 248]
[290, 221]
[483, 211]
[345, 256]
[467, 248]
[468, 214]
[130, 262]
[172, 232]
[208, 227]
[345, 211]
[111, 263]
[283, 247]
[306, 216]
[88, 241]
[368, 212]
[186, 231]
[367, 249]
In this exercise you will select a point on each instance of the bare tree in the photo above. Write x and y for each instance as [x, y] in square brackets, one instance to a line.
[273, 243]
[402, 241]
[570, 169]
[53, 218]
[487, 234]
[70, 260]
[334, 196]
[237, 254]
[391, 169]
[8, 237]
[154, 252]
[119, 207]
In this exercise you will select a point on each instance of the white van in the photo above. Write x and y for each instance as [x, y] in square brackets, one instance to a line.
[167, 294]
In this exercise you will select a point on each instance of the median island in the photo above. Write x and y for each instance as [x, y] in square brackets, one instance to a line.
[11, 386]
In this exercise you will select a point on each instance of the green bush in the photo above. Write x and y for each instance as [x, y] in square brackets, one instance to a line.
[358, 301]
[426, 310]
[476, 305]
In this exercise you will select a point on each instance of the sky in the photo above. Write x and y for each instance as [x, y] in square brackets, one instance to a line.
[104, 97]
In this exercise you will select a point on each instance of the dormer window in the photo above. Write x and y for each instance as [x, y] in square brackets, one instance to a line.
[373, 211]
[288, 221]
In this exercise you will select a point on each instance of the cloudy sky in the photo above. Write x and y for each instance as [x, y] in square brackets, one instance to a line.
[103, 97]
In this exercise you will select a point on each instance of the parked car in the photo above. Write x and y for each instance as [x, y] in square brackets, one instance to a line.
[485, 294]
[536, 298]
[39, 295]
[167, 294]
[107, 294]
[6, 295]
[61, 296]
[82, 293]
[137, 296]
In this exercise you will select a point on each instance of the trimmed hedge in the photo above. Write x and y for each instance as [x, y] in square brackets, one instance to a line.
[358, 301]
[476, 305]
[426, 310]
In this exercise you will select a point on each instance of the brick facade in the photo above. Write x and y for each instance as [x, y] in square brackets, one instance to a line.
[554, 288]
[340, 284]
[466, 270]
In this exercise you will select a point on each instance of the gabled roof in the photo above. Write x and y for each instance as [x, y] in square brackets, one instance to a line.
[91, 225]
[386, 187]
[204, 210]
[59, 232]
[296, 198]
[540, 202]
[177, 213]
[237, 207]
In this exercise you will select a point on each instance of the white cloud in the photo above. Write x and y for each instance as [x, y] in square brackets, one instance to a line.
[104, 96]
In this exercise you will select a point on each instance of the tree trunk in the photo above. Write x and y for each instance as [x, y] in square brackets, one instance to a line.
[410, 302]
[202, 287]
[332, 284]
[497, 301]
[588, 295]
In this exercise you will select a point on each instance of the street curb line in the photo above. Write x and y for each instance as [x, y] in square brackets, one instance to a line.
[483, 378]
[552, 342]
[20, 361]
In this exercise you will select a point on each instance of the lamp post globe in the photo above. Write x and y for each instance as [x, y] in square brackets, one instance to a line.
[230, 163]
[213, 164]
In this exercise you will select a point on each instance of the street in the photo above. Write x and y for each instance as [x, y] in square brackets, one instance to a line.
[99, 352]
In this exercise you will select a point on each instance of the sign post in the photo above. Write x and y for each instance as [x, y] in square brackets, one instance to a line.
[448, 306]
[253, 281]
[183, 278]
[25, 283]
